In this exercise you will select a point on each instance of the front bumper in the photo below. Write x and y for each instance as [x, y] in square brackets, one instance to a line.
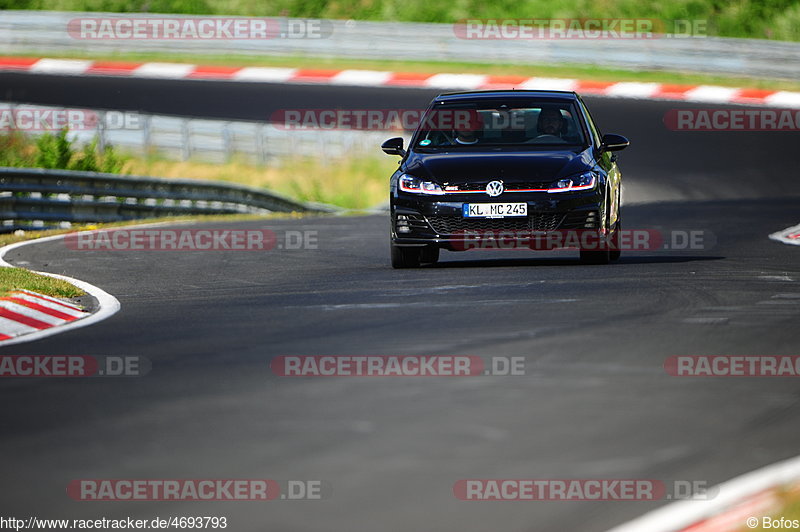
[418, 220]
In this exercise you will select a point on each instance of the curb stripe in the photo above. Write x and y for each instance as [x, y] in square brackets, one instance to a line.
[30, 313]
[407, 79]
[377, 78]
[49, 299]
[14, 328]
[361, 77]
[594, 87]
[264, 74]
[163, 70]
[711, 94]
[17, 63]
[60, 66]
[41, 308]
[112, 68]
[461, 81]
[25, 320]
[308, 74]
[213, 72]
[23, 312]
[72, 312]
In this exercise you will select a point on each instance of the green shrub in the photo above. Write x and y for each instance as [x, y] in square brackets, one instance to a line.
[57, 151]
[16, 150]
[54, 151]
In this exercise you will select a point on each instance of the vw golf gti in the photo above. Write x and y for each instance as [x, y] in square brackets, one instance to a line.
[489, 164]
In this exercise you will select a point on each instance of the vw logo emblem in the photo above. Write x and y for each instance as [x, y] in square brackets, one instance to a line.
[494, 188]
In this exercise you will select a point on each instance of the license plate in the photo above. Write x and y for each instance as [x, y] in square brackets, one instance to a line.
[494, 210]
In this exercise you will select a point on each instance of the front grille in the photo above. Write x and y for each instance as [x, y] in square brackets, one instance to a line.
[538, 185]
[465, 187]
[545, 222]
[447, 225]
[461, 187]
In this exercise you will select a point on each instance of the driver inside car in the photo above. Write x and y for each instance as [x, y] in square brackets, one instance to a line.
[551, 122]
[470, 131]
[466, 136]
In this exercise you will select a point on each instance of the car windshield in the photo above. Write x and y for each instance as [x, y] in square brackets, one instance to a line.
[497, 124]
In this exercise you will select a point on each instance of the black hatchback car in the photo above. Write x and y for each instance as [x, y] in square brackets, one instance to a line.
[491, 163]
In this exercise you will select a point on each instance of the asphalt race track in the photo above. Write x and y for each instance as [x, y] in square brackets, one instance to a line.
[595, 401]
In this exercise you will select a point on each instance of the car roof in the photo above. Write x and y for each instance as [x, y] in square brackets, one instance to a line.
[506, 95]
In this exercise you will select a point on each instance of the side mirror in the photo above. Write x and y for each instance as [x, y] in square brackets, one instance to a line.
[394, 146]
[612, 142]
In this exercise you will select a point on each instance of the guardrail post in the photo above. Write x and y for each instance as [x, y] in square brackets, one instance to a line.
[186, 148]
[227, 141]
[146, 134]
[101, 132]
[260, 148]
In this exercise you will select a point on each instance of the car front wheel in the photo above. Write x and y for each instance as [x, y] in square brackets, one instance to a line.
[429, 255]
[615, 250]
[605, 255]
[403, 257]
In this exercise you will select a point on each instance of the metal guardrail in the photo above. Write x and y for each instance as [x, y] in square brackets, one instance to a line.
[32, 198]
[216, 141]
[36, 198]
[46, 31]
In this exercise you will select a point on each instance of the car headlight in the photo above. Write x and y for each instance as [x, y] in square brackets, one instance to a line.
[416, 185]
[585, 181]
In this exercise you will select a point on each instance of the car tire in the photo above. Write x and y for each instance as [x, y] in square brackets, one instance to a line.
[595, 257]
[429, 255]
[602, 256]
[403, 257]
[616, 252]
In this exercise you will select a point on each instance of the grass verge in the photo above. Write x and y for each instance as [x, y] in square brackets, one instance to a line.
[587, 72]
[22, 279]
[350, 183]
